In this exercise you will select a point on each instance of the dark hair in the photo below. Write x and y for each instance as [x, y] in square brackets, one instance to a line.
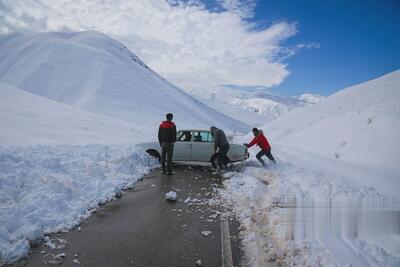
[255, 130]
[169, 116]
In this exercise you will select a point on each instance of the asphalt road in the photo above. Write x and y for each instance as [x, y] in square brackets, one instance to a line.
[142, 228]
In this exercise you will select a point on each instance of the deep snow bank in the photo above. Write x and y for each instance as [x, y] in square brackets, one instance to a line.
[91, 71]
[293, 216]
[356, 131]
[26, 118]
[49, 188]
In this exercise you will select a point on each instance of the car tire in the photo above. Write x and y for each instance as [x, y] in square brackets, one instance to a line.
[154, 153]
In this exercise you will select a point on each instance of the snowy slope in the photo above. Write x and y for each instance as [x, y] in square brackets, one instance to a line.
[250, 117]
[355, 130]
[26, 118]
[264, 103]
[91, 71]
[310, 99]
[332, 199]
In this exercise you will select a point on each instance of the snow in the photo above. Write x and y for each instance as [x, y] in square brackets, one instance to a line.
[90, 71]
[250, 117]
[44, 189]
[355, 131]
[295, 216]
[310, 99]
[332, 198]
[262, 106]
[171, 195]
[206, 233]
[27, 119]
[72, 105]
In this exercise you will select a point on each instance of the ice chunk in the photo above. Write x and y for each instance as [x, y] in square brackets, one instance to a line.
[171, 195]
[206, 233]
[60, 255]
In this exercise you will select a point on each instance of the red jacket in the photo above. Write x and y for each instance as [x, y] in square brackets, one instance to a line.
[261, 141]
[167, 132]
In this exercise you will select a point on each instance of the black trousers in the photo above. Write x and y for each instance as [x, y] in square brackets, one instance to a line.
[167, 151]
[222, 158]
[265, 153]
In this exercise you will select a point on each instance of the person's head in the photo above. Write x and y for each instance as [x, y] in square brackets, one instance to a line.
[255, 131]
[212, 129]
[169, 116]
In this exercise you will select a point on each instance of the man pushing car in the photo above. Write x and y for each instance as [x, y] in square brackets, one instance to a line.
[221, 143]
[262, 142]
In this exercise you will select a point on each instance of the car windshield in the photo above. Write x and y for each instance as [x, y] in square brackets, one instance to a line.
[203, 136]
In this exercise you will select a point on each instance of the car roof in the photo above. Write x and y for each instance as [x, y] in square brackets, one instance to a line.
[193, 130]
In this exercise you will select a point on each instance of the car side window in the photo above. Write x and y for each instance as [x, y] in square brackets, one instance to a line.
[203, 137]
[184, 136]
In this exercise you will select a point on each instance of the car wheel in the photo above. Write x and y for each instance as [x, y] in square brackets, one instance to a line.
[154, 153]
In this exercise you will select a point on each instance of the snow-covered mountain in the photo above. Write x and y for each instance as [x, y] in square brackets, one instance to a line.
[26, 118]
[266, 105]
[91, 71]
[310, 99]
[357, 128]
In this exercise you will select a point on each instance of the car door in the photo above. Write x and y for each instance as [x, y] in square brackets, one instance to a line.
[202, 146]
[183, 146]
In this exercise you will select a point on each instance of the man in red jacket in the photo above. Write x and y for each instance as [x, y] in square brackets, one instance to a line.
[167, 139]
[262, 142]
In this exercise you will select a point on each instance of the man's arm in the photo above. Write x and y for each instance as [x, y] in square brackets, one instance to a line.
[174, 134]
[253, 142]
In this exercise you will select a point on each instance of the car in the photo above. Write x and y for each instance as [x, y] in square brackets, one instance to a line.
[197, 146]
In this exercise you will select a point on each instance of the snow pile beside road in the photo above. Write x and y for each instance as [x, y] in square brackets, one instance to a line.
[253, 203]
[49, 188]
[295, 216]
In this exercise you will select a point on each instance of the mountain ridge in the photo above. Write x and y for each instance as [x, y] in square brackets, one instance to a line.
[73, 68]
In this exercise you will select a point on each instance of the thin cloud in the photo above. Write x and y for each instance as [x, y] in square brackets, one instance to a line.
[244, 8]
[191, 46]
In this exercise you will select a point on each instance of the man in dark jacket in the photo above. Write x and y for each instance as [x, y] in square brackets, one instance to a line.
[220, 142]
[167, 139]
[262, 142]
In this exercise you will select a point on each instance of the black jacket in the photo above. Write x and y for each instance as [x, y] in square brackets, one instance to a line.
[167, 132]
[220, 139]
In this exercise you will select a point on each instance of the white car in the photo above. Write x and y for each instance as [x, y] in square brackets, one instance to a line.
[197, 146]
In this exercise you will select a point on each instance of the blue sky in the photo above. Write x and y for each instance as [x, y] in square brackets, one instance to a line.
[359, 40]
